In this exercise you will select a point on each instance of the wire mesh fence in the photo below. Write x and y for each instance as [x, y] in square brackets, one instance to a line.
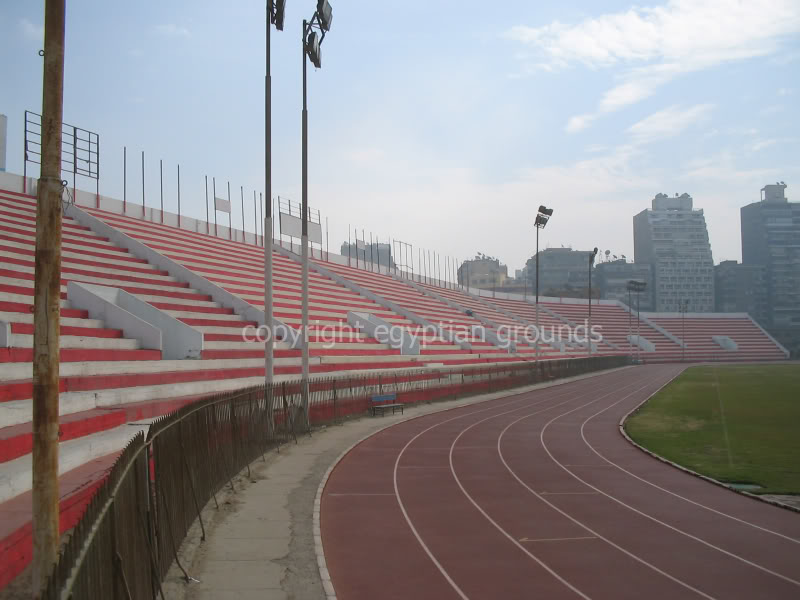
[129, 536]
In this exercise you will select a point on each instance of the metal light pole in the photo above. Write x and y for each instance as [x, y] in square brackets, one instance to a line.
[311, 42]
[638, 287]
[589, 331]
[638, 324]
[46, 306]
[630, 321]
[275, 16]
[542, 217]
[684, 307]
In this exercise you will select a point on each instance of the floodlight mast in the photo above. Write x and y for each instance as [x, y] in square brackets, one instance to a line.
[542, 217]
[637, 286]
[589, 330]
[276, 12]
[310, 43]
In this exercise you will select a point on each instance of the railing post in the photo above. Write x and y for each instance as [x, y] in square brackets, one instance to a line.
[335, 416]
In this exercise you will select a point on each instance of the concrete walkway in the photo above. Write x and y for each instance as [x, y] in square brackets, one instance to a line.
[260, 543]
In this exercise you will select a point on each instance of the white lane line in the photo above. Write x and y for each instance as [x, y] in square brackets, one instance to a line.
[562, 539]
[403, 510]
[507, 535]
[654, 519]
[356, 494]
[576, 521]
[568, 493]
[676, 495]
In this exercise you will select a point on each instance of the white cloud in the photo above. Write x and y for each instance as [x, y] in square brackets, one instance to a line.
[172, 30]
[766, 143]
[657, 44]
[761, 144]
[668, 122]
[579, 122]
[32, 31]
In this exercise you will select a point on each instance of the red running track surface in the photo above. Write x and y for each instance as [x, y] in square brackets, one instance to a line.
[538, 495]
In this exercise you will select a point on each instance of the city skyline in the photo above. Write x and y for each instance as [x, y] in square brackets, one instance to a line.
[506, 114]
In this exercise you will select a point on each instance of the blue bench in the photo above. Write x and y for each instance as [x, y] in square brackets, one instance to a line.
[384, 402]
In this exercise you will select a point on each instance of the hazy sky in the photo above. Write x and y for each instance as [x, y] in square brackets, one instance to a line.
[440, 123]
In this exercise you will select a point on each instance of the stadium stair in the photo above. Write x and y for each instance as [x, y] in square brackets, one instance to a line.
[432, 311]
[752, 343]
[499, 320]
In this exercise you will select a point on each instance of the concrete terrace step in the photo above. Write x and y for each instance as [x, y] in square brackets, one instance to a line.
[75, 488]
[20, 371]
[17, 440]
[22, 340]
[87, 330]
[80, 354]
[24, 316]
[15, 476]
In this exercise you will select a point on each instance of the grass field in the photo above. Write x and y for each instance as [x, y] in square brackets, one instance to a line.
[737, 424]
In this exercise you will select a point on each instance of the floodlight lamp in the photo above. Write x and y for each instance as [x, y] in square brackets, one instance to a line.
[313, 49]
[277, 13]
[324, 14]
[545, 211]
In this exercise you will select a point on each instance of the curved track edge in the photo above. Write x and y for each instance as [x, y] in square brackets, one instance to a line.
[687, 470]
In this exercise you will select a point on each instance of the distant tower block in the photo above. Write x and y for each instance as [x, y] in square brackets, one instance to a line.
[3, 131]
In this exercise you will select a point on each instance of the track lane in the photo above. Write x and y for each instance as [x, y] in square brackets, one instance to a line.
[581, 561]
[599, 433]
[383, 532]
[463, 547]
[698, 557]
[450, 521]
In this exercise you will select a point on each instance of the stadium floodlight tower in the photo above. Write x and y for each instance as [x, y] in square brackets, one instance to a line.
[638, 287]
[683, 308]
[276, 13]
[592, 256]
[313, 33]
[542, 217]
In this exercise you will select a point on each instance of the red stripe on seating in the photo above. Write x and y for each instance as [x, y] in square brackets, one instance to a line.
[217, 322]
[125, 258]
[19, 307]
[31, 241]
[16, 548]
[96, 332]
[22, 291]
[66, 260]
[66, 236]
[231, 354]
[220, 310]
[80, 355]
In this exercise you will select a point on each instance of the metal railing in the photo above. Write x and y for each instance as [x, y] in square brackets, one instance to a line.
[129, 536]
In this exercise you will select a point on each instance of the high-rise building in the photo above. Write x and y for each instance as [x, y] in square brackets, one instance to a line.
[771, 237]
[379, 254]
[673, 239]
[483, 272]
[612, 282]
[562, 272]
[742, 289]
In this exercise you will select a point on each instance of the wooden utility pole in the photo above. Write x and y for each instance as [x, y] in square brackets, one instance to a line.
[46, 309]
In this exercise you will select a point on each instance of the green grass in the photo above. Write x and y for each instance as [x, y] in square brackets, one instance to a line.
[761, 407]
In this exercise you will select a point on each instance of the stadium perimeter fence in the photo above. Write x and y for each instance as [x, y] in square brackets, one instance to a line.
[129, 535]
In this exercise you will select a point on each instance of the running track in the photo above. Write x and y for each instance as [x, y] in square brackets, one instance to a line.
[538, 495]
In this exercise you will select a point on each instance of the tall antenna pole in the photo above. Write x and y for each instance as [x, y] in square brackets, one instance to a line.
[304, 237]
[47, 303]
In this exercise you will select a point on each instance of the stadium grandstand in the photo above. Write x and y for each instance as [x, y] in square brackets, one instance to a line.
[203, 295]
